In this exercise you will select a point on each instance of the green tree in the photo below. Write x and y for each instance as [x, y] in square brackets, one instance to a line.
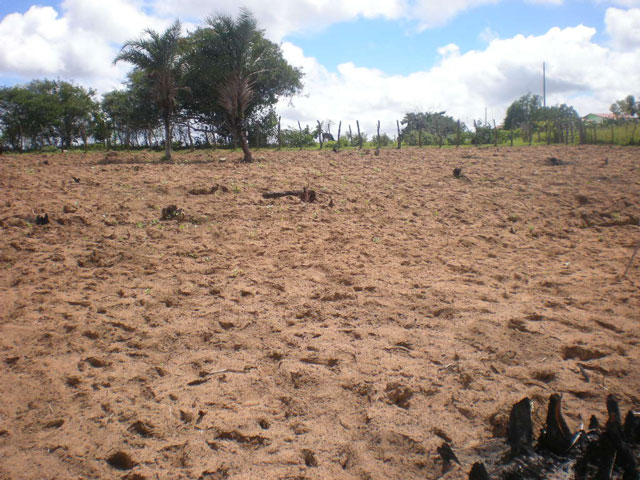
[293, 137]
[415, 122]
[626, 106]
[630, 108]
[132, 112]
[77, 109]
[15, 117]
[46, 112]
[159, 55]
[437, 125]
[523, 113]
[235, 75]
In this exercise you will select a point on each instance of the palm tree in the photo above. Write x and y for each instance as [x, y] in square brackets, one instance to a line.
[234, 96]
[240, 49]
[159, 56]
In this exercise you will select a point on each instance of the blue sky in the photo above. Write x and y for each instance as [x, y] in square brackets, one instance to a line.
[373, 59]
[397, 47]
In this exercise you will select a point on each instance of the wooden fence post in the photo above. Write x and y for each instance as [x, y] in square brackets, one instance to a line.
[279, 134]
[378, 135]
[359, 135]
[399, 135]
[320, 133]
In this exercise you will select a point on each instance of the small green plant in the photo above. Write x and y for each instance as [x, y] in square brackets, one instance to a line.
[376, 239]
[140, 224]
[236, 272]
[147, 291]
[513, 218]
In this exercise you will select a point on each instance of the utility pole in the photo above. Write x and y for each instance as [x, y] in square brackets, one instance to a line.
[544, 84]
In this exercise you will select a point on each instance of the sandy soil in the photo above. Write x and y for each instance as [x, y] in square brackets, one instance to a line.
[273, 339]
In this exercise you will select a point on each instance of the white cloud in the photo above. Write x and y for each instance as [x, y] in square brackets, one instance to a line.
[307, 16]
[579, 72]
[113, 21]
[80, 42]
[621, 3]
[430, 13]
[287, 16]
[623, 26]
[79, 45]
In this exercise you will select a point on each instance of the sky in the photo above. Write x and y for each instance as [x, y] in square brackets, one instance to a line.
[365, 60]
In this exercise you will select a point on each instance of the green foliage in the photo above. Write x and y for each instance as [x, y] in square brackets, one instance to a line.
[292, 137]
[385, 140]
[46, 112]
[484, 133]
[429, 128]
[230, 60]
[263, 129]
[626, 107]
[524, 110]
[160, 57]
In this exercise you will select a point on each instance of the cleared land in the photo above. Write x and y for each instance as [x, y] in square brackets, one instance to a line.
[254, 338]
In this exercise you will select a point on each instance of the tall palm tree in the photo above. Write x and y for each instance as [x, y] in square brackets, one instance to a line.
[239, 48]
[160, 57]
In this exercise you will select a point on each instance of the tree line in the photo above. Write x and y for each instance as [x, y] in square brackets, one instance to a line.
[219, 85]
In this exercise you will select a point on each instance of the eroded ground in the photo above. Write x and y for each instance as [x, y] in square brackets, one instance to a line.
[271, 339]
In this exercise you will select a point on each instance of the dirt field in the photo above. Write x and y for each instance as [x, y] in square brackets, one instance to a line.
[271, 339]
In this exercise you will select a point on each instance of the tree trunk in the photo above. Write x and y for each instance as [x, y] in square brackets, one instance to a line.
[189, 135]
[279, 135]
[167, 136]
[420, 137]
[319, 133]
[244, 143]
[399, 135]
[359, 135]
[301, 135]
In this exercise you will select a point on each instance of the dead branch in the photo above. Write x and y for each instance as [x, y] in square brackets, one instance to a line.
[633, 255]
[306, 195]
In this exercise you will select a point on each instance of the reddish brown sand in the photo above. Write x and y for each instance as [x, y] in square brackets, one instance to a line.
[273, 339]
